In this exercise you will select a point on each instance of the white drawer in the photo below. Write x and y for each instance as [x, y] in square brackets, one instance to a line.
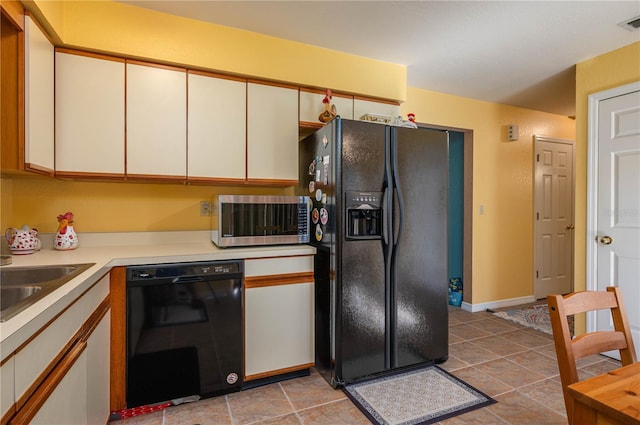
[278, 265]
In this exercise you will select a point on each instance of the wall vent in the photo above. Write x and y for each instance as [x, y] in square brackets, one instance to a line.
[632, 24]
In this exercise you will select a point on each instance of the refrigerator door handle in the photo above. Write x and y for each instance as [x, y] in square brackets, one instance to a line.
[397, 192]
[385, 211]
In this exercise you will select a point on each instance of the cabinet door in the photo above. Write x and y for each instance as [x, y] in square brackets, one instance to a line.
[156, 122]
[67, 404]
[362, 107]
[279, 330]
[98, 383]
[217, 123]
[311, 106]
[39, 101]
[89, 115]
[7, 396]
[272, 133]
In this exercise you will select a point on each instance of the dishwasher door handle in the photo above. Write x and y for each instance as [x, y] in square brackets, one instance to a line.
[187, 279]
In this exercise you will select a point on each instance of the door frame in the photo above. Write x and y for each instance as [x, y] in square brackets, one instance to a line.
[592, 186]
[536, 207]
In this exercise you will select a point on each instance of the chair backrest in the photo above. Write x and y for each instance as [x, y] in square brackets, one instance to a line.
[569, 350]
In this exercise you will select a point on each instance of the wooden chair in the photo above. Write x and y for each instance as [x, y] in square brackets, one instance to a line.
[569, 350]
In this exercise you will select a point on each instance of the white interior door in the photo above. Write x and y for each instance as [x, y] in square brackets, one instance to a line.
[553, 216]
[617, 222]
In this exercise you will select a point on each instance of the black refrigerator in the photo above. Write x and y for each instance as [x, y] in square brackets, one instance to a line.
[379, 223]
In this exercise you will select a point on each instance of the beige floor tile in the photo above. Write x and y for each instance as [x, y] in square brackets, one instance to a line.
[497, 325]
[548, 393]
[482, 416]
[467, 331]
[258, 404]
[453, 363]
[510, 373]
[341, 412]
[525, 338]
[470, 353]
[210, 411]
[537, 362]
[516, 408]
[310, 391]
[602, 366]
[499, 345]
[290, 419]
[482, 381]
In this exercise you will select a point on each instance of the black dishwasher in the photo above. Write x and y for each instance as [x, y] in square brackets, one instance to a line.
[184, 330]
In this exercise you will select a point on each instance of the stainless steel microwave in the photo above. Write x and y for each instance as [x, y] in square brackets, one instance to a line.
[249, 220]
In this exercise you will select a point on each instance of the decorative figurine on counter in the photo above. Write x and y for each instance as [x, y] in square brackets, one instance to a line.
[329, 109]
[66, 237]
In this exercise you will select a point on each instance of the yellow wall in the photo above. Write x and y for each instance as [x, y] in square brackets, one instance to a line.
[110, 207]
[502, 184]
[131, 31]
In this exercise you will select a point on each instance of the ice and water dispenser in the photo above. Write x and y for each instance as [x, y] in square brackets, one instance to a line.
[364, 215]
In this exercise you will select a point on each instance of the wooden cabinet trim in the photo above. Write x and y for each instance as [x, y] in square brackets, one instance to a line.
[40, 396]
[39, 169]
[373, 99]
[273, 83]
[323, 92]
[118, 290]
[79, 175]
[278, 372]
[14, 11]
[274, 183]
[216, 75]
[215, 181]
[89, 54]
[155, 65]
[277, 279]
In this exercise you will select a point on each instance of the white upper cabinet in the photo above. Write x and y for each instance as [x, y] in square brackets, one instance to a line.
[362, 107]
[217, 124]
[89, 115]
[272, 133]
[156, 122]
[39, 100]
[311, 106]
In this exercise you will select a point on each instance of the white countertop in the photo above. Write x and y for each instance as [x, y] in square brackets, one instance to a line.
[109, 250]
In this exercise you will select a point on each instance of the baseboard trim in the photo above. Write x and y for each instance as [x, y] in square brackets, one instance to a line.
[473, 308]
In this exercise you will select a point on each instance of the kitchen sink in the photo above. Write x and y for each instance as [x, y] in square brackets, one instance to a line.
[20, 287]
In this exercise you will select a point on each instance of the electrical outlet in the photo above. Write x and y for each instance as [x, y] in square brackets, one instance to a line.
[205, 208]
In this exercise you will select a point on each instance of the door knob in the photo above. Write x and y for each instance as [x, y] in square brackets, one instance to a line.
[570, 227]
[606, 240]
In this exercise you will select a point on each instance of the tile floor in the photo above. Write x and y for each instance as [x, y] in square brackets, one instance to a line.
[508, 362]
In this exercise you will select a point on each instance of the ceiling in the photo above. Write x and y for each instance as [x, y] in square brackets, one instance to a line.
[520, 53]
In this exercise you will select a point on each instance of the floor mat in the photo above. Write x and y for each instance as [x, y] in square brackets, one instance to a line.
[417, 397]
[534, 316]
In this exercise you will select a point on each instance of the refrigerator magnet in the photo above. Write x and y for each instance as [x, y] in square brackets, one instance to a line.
[324, 216]
[319, 195]
[325, 141]
[318, 175]
[318, 233]
[324, 198]
[312, 168]
[312, 186]
[315, 215]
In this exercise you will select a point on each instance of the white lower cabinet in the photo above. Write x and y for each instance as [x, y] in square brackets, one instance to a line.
[67, 404]
[7, 394]
[279, 316]
[98, 373]
[65, 380]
